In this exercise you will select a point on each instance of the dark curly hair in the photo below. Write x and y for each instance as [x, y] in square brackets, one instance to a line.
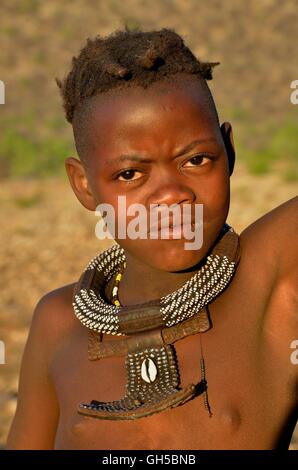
[127, 59]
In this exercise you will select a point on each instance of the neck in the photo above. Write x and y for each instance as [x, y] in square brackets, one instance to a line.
[200, 289]
[141, 283]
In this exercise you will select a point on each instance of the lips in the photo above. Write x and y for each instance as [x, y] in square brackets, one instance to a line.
[173, 223]
[173, 230]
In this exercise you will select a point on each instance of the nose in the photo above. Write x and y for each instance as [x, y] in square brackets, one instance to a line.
[171, 191]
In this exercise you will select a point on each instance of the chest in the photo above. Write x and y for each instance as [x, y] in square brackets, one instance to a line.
[246, 390]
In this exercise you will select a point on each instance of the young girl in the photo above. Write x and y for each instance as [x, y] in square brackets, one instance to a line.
[157, 346]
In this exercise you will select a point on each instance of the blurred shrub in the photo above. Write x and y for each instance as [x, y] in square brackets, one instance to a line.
[264, 147]
[268, 147]
[26, 154]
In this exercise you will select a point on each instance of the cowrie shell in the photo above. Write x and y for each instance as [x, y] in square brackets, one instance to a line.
[148, 370]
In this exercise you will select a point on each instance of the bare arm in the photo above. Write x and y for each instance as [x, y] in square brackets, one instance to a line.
[275, 238]
[276, 233]
[35, 422]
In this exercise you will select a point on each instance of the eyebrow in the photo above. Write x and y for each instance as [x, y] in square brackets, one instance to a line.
[139, 159]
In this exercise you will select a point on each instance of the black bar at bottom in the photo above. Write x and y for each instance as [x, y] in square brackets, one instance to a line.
[137, 459]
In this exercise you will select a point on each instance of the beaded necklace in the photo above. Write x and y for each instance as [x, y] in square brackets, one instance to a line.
[150, 329]
[115, 299]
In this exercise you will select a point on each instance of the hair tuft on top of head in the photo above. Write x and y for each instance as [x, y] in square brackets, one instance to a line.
[127, 58]
[207, 69]
[151, 59]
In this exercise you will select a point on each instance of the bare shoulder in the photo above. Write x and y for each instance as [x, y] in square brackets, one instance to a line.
[34, 425]
[53, 317]
[269, 252]
[61, 297]
[54, 312]
[279, 222]
[273, 237]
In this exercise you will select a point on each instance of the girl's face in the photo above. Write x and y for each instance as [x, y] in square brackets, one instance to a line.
[162, 145]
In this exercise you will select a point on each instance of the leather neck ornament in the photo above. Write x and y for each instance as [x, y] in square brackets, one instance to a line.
[150, 329]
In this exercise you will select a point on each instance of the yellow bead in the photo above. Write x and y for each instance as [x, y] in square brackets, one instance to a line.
[118, 277]
[117, 303]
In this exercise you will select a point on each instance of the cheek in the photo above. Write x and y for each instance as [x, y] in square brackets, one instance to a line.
[103, 192]
[215, 194]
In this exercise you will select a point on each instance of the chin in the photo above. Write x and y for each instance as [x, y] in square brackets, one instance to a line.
[170, 256]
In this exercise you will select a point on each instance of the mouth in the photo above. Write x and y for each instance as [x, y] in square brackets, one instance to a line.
[173, 231]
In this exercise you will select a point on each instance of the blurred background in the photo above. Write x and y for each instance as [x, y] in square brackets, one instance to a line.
[46, 236]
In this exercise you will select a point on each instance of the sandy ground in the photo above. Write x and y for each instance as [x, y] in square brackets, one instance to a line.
[46, 240]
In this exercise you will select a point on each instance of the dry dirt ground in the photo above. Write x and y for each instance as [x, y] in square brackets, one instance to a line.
[46, 240]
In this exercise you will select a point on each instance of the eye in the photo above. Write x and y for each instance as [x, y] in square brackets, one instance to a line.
[198, 160]
[128, 175]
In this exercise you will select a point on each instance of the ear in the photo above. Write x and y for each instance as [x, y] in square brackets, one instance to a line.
[227, 135]
[79, 183]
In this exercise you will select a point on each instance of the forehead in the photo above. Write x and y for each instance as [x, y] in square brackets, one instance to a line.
[168, 108]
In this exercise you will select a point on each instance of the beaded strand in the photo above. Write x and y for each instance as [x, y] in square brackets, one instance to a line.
[115, 298]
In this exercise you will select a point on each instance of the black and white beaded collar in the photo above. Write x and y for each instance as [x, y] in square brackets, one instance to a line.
[97, 314]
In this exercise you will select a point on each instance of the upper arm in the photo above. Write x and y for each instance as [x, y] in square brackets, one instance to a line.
[275, 235]
[287, 238]
[271, 246]
[35, 422]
